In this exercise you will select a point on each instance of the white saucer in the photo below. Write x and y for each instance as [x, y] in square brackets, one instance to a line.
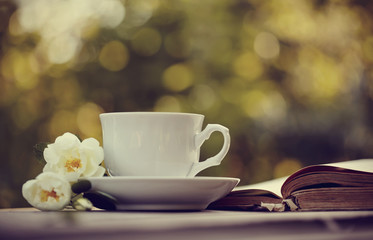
[164, 193]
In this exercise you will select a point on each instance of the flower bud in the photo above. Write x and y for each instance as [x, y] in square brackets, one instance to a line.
[48, 191]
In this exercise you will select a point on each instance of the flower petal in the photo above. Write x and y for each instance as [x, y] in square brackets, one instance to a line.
[100, 172]
[50, 155]
[67, 141]
[92, 148]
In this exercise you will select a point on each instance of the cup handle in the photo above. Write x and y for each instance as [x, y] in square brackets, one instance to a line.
[200, 138]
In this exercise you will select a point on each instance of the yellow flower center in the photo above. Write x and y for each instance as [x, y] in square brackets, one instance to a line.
[73, 164]
[46, 194]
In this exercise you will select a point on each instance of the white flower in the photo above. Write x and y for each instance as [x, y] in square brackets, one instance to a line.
[72, 159]
[48, 191]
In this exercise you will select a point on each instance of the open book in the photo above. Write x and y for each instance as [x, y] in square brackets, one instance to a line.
[339, 186]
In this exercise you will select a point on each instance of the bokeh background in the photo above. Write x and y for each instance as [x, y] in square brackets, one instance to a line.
[291, 79]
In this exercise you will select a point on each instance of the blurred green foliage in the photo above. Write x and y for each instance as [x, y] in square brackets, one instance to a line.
[291, 79]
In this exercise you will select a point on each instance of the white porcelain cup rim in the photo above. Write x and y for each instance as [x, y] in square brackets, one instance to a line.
[150, 113]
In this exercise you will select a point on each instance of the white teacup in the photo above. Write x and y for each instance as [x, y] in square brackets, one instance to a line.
[157, 144]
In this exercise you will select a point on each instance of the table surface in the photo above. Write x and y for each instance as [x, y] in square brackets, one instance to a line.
[30, 223]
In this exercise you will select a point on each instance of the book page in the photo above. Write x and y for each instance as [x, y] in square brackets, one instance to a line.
[365, 165]
[273, 185]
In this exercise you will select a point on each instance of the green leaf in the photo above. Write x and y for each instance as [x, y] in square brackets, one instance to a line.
[39, 150]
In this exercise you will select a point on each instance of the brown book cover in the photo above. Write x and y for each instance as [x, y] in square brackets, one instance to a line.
[339, 186]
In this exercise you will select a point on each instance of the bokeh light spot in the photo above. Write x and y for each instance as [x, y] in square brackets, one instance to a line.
[63, 49]
[286, 167]
[202, 97]
[62, 24]
[266, 45]
[114, 56]
[248, 65]
[177, 77]
[16, 65]
[111, 13]
[251, 103]
[167, 104]
[139, 11]
[264, 104]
